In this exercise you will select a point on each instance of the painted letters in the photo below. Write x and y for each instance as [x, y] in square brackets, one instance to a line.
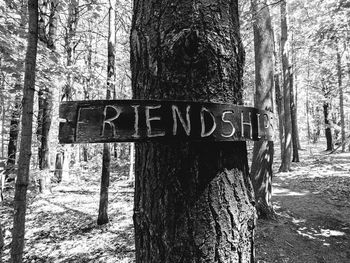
[149, 119]
[176, 112]
[203, 133]
[110, 120]
[223, 118]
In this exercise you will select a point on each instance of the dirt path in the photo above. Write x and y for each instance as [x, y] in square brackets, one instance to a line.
[313, 207]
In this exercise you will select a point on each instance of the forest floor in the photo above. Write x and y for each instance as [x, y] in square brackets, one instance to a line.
[312, 204]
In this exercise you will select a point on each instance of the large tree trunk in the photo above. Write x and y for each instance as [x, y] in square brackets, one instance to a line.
[26, 136]
[193, 200]
[287, 138]
[106, 157]
[328, 130]
[261, 170]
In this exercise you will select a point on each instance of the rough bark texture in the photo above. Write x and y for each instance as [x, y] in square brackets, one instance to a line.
[328, 130]
[287, 136]
[193, 200]
[26, 136]
[261, 169]
[106, 157]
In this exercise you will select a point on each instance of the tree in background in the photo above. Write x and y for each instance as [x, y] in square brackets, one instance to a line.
[192, 199]
[261, 169]
[22, 181]
[47, 34]
[106, 157]
[14, 130]
[286, 76]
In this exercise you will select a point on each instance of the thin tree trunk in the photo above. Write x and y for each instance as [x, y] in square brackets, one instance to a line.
[2, 97]
[341, 99]
[132, 163]
[106, 158]
[287, 140]
[45, 100]
[14, 131]
[22, 181]
[294, 106]
[103, 206]
[192, 199]
[261, 170]
[293, 111]
[328, 130]
[1, 242]
[307, 102]
[280, 111]
[67, 91]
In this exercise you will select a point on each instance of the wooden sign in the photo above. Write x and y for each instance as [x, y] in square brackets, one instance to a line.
[140, 120]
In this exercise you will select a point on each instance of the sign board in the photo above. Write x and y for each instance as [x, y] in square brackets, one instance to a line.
[140, 120]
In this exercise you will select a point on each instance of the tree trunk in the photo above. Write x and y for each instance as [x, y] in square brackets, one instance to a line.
[26, 136]
[328, 130]
[1, 242]
[59, 166]
[2, 97]
[45, 100]
[293, 112]
[287, 138]
[280, 111]
[103, 207]
[341, 100]
[14, 130]
[193, 200]
[261, 169]
[106, 158]
[132, 163]
[67, 91]
[307, 102]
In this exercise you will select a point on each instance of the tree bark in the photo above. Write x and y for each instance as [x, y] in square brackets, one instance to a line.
[193, 200]
[106, 157]
[1, 243]
[261, 169]
[287, 138]
[26, 136]
[328, 130]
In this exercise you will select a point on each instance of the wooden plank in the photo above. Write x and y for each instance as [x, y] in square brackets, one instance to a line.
[139, 120]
